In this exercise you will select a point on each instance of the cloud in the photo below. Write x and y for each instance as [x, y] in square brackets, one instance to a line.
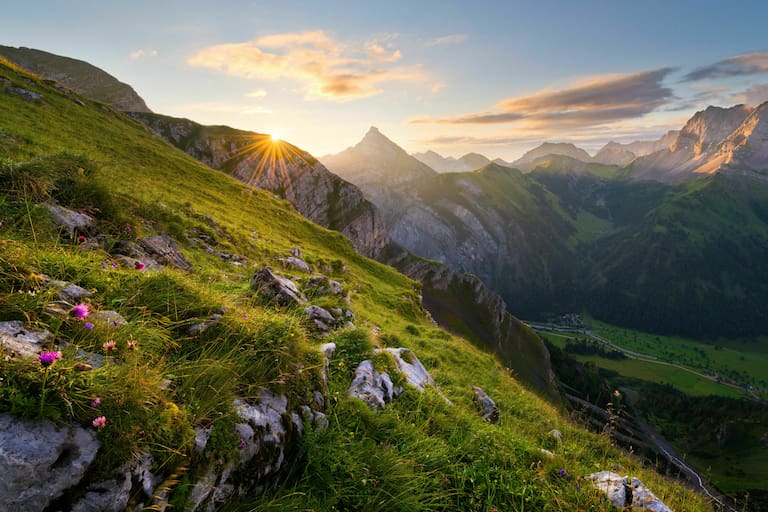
[754, 96]
[594, 101]
[747, 64]
[258, 93]
[222, 106]
[449, 39]
[141, 53]
[327, 68]
[437, 87]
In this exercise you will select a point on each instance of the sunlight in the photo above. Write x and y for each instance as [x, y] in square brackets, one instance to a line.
[275, 137]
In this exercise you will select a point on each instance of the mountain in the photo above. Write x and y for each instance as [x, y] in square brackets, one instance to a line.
[152, 384]
[746, 148]
[527, 161]
[283, 169]
[615, 153]
[468, 162]
[80, 76]
[694, 147]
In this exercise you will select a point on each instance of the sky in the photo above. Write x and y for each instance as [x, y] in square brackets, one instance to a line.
[493, 77]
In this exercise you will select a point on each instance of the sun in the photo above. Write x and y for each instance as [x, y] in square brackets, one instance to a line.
[275, 137]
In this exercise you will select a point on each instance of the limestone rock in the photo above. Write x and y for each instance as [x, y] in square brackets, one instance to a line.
[281, 289]
[201, 327]
[21, 341]
[40, 461]
[556, 435]
[321, 318]
[69, 220]
[294, 262]
[409, 365]
[643, 499]
[24, 93]
[108, 318]
[486, 405]
[327, 349]
[165, 249]
[68, 292]
[613, 485]
[112, 495]
[374, 388]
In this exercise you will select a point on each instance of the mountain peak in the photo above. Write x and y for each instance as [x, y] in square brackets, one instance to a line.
[527, 161]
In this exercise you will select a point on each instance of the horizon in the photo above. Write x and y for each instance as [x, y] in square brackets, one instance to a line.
[583, 74]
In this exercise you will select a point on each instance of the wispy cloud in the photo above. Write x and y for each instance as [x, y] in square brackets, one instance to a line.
[754, 96]
[747, 64]
[449, 39]
[594, 101]
[328, 69]
[142, 53]
[221, 107]
[258, 93]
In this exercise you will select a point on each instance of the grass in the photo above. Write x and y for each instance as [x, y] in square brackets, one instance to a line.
[417, 454]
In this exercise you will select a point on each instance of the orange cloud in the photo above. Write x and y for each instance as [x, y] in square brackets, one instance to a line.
[328, 68]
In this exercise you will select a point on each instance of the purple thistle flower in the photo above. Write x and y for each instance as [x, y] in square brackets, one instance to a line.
[88, 325]
[114, 265]
[103, 265]
[562, 472]
[81, 310]
[139, 265]
[48, 358]
[81, 239]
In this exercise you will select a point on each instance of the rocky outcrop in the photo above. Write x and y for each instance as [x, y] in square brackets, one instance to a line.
[20, 340]
[164, 249]
[623, 494]
[279, 167]
[487, 407]
[373, 388]
[41, 461]
[411, 368]
[525, 162]
[280, 289]
[83, 78]
[70, 221]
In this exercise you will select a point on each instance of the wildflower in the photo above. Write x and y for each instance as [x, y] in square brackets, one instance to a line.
[103, 265]
[114, 265]
[562, 472]
[96, 402]
[110, 345]
[81, 310]
[128, 229]
[132, 345]
[48, 358]
[139, 265]
[88, 325]
[81, 239]
[99, 422]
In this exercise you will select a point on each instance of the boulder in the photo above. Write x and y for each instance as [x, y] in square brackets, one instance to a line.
[19, 340]
[69, 220]
[409, 365]
[613, 485]
[280, 289]
[166, 251]
[41, 461]
[643, 499]
[112, 495]
[294, 262]
[108, 318]
[556, 435]
[485, 405]
[327, 349]
[24, 93]
[373, 388]
[68, 292]
[201, 327]
[321, 318]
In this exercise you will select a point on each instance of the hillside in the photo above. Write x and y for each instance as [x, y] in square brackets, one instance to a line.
[80, 76]
[528, 160]
[181, 383]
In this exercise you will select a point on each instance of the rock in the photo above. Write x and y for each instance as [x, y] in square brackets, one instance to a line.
[319, 285]
[546, 453]
[112, 495]
[371, 387]
[68, 292]
[613, 485]
[327, 349]
[296, 253]
[409, 365]
[486, 405]
[337, 313]
[643, 499]
[201, 327]
[349, 315]
[282, 290]
[166, 250]
[556, 435]
[108, 318]
[321, 318]
[24, 93]
[335, 287]
[58, 309]
[69, 220]
[40, 461]
[294, 262]
[18, 340]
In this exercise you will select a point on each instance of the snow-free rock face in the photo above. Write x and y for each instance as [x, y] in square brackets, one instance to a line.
[373, 388]
[485, 404]
[70, 221]
[746, 149]
[78, 75]
[41, 461]
[614, 153]
[409, 365]
[279, 167]
[20, 340]
[280, 289]
[525, 162]
[623, 492]
[439, 163]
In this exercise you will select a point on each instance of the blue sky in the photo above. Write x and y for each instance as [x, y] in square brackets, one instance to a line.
[492, 77]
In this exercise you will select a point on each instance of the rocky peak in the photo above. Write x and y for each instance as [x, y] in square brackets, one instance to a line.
[614, 153]
[551, 148]
[709, 127]
[747, 147]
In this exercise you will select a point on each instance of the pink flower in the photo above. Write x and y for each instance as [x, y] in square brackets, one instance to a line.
[81, 310]
[110, 345]
[99, 422]
[96, 402]
[139, 265]
[132, 344]
[48, 358]
[81, 239]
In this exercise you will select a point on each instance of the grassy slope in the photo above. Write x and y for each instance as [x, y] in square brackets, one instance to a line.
[417, 454]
